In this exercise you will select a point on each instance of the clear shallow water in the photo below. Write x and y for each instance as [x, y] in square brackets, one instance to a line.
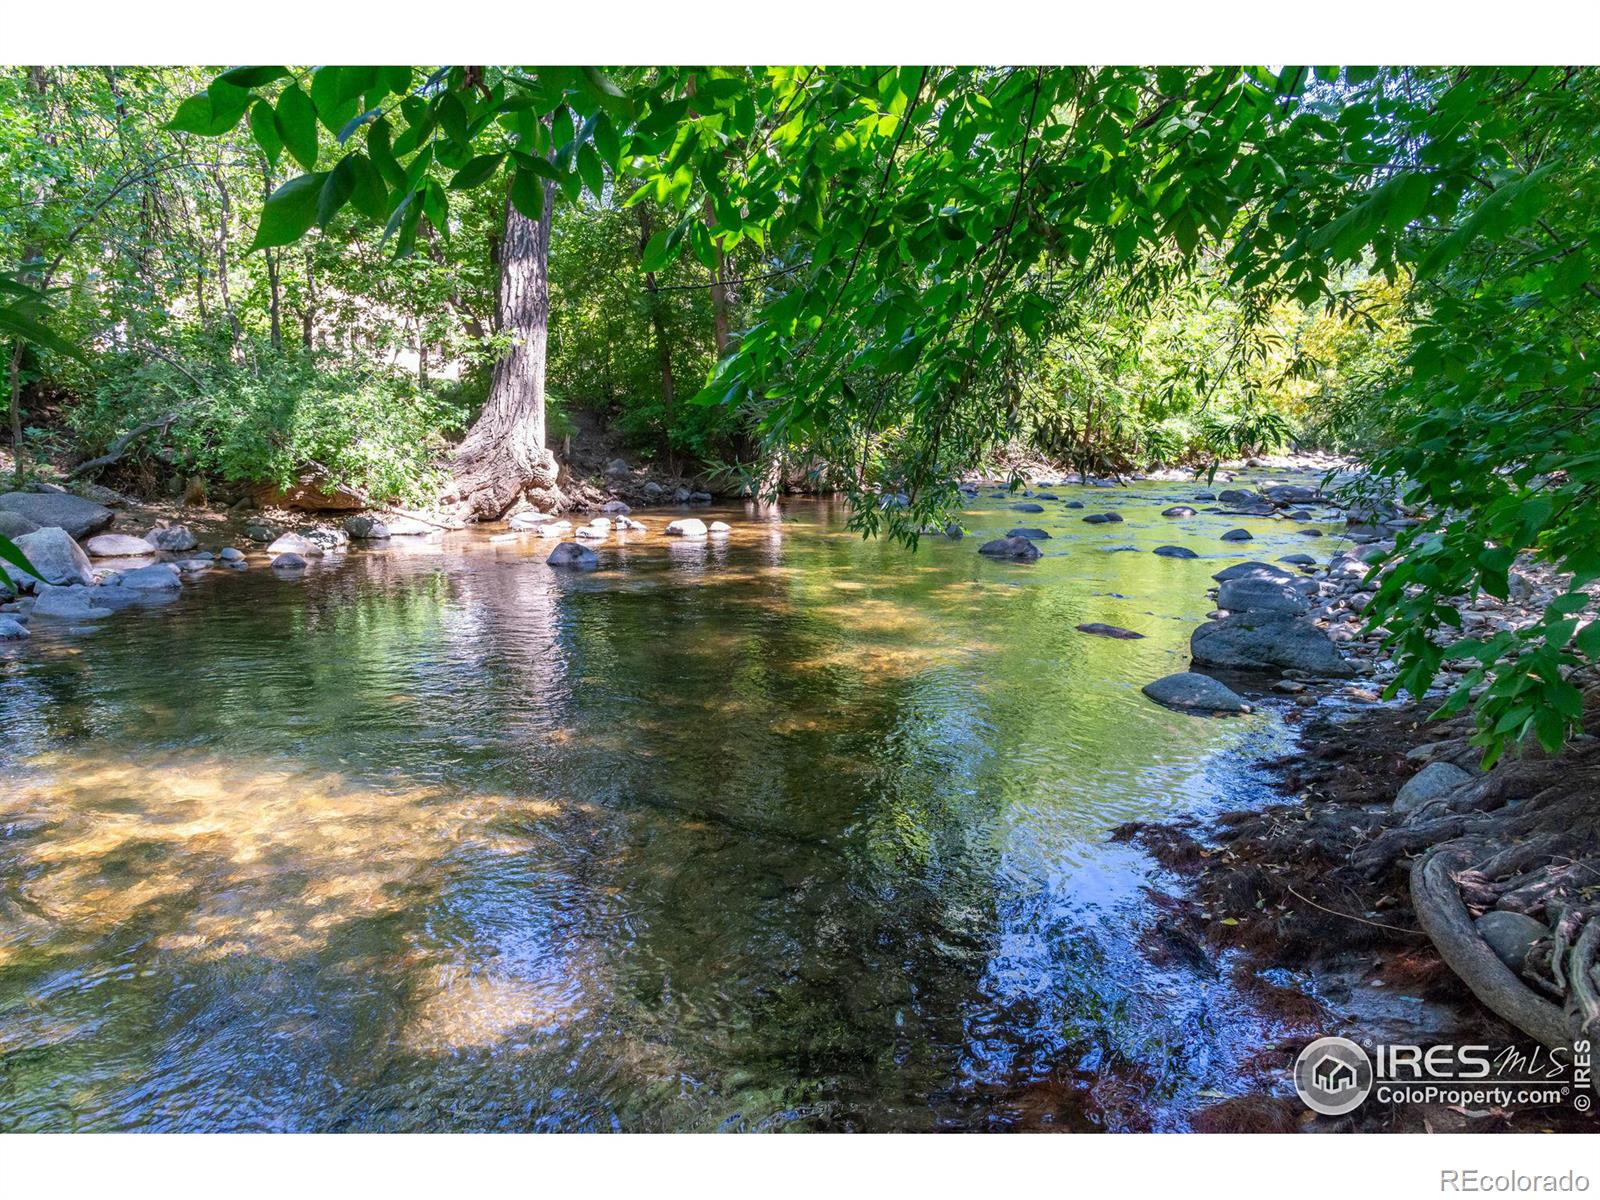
[788, 831]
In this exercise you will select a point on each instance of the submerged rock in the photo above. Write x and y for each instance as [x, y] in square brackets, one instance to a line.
[79, 517]
[1110, 631]
[1175, 552]
[1298, 560]
[573, 557]
[1435, 780]
[1193, 692]
[954, 532]
[1019, 549]
[1292, 493]
[1027, 508]
[1238, 535]
[1074, 504]
[1025, 532]
[1178, 510]
[1105, 518]
[1259, 641]
[74, 603]
[158, 577]
[55, 556]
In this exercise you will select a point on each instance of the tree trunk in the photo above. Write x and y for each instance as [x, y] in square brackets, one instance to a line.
[274, 286]
[657, 319]
[504, 455]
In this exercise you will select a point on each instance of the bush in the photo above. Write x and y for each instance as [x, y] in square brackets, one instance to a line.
[371, 428]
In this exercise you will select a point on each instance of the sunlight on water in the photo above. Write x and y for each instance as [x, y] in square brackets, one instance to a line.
[784, 830]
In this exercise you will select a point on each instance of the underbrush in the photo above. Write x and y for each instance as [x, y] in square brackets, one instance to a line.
[266, 415]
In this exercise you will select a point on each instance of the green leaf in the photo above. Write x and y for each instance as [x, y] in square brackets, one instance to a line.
[211, 112]
[369, 196]
[21, 325]
[14, 555]
[594, 175]
[289, 211]
[527, 193]
[253, 77]
[337, 188]
[601, 82]
[478, 171]
[264, 128]
[297, 126]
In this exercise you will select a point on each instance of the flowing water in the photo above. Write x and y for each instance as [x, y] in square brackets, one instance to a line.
[784, 830]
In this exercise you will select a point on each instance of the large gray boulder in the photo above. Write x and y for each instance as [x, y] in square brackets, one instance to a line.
[1018, 549]
[1250, 641]
[55, 556]
[1511, 935]
[1434, 781]
[74, 603]
[1251, 593]
[14, 525]
[1255, 570]
[79, 517]
[1292, 493]
[12, 630]
[1193, 692]
[118, 545]
[570, 556]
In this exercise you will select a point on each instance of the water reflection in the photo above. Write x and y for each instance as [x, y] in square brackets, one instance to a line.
[782, 830]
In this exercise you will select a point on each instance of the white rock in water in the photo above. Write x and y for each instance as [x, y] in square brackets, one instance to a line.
[293, 543]
[55, 556]
[118, 545]
[688, 527]
[719, 527]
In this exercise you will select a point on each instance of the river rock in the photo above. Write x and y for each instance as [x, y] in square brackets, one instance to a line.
[1027, 508]
[293, 543]
[55, 556]
[403, 526]
[118, 545]
[1298, 560]
[954, 532]
[720, 527]
[365, 528]
[290, 560]
[257, 532]
[687, 527]
[1175, 552]
[1178, 510]
[1238, 535]
[1019, 549]
[615, 506]
[573, 557]
[158, 577]
[79, 517]
[1238, 496]
[1252, 593]
[12, 630]
[173, 538]
[1023, 531]
[14, 525]
[74, 603]
[1255, 570]
[553, 529]
[1193, 692]
[1292, 493]
[593, 532]
[1105, 518]
[1110, 631]
[1429, 784]
[1073, 504]
[230, 554]
[1511, 935]
[1259, 641]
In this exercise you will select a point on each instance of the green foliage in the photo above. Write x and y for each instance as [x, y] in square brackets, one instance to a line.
[368, 427]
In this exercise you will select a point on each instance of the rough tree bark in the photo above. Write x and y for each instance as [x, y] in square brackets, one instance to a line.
[503, 456]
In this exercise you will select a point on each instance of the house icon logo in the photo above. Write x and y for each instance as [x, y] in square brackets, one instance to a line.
[1333, 1076]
